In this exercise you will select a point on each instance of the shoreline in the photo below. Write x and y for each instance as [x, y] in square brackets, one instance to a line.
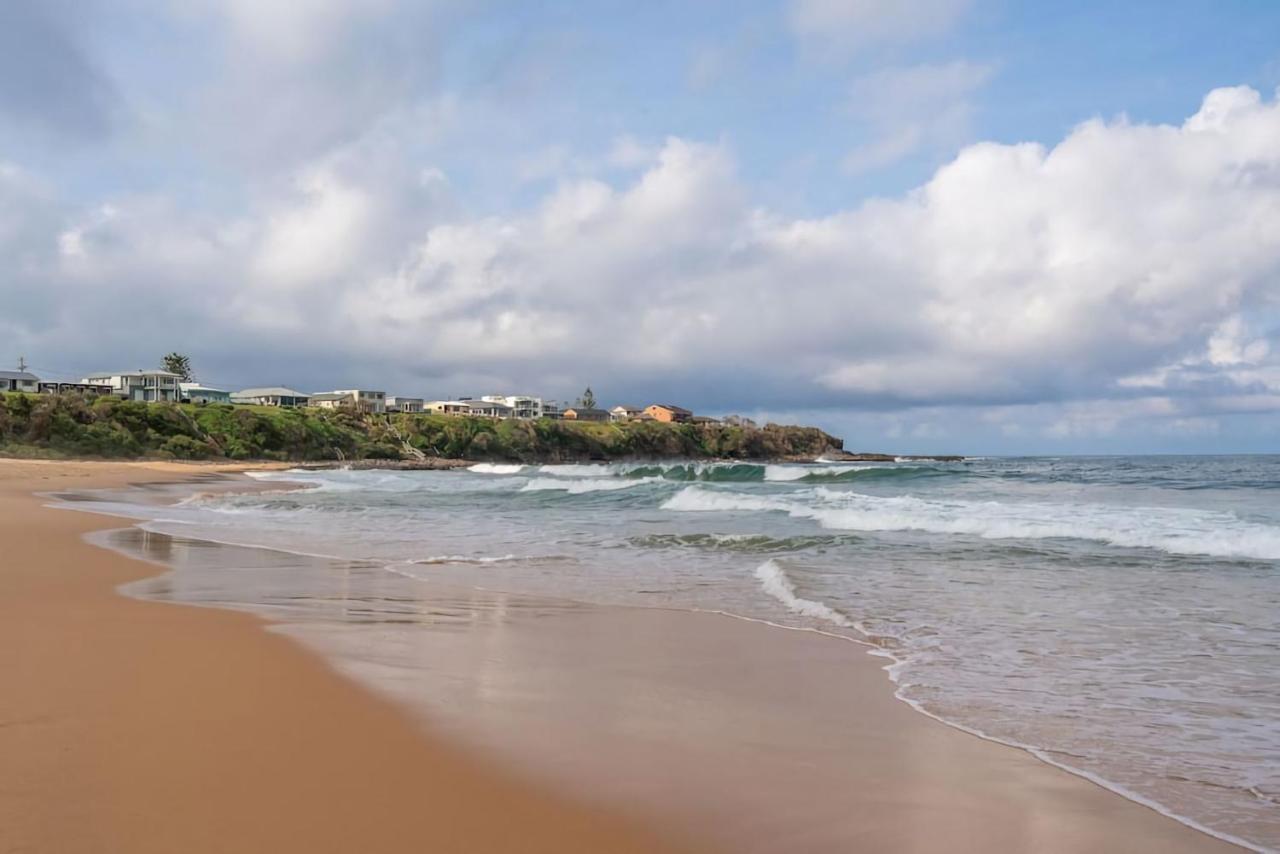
[137, 726]
[959, 731]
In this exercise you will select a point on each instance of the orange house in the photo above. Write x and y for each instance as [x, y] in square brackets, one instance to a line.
[668, 413]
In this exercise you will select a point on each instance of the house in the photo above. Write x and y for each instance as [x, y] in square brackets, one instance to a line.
[139, 385]
[361, 399]
[625, 413]
[584, 413]
[668, 413]
[704, 419]
[448, 407]
[196, 393]
[19, 381]
[488, 408]
[270, 396]
[522, 406]
[404, 404]
[73, 388]
[552, 409]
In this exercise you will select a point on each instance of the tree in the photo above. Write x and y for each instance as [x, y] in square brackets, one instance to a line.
[176, 363]
[588, 399]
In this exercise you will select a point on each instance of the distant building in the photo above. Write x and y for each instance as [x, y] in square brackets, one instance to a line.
[196, 393]
[448, 407]
[74, 388]
[625, 413]
[668, 413]
[583, 413]
[552, 409]
[270, 396]
[488, 408]
[404, 404]
[139, 385]
[738, 421]
[19, 381]
[704, 419]
[522, 406]
[361, 399]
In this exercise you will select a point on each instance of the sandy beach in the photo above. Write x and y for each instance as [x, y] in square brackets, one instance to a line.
[141, 726]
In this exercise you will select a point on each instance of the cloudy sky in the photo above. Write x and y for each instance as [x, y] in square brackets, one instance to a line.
[973, 225]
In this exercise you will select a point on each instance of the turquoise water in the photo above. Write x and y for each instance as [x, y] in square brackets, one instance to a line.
[1119, 616]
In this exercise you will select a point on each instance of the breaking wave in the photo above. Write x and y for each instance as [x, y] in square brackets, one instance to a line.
[740, 542]
[496, 468]
[578, 487]
[1169, 529]
[744, 472]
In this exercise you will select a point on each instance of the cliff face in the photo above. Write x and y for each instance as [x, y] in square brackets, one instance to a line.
[108, 427]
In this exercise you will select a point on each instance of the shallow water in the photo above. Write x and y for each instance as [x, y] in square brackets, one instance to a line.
[1119, 615]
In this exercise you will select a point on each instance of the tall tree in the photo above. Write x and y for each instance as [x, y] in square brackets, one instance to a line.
[588, 399]
[176, 363]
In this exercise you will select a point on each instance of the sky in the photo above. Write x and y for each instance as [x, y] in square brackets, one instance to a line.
[969, 226]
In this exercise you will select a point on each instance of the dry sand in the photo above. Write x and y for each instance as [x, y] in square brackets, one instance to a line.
[134, 726]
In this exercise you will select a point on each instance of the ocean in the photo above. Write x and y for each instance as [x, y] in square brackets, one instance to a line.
[1117, 616]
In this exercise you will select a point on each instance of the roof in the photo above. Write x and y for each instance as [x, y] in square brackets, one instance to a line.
[269, 391]
[628, 407]
[400, 399]
[673, 408]
[329, 395]
[158, 372]
[198, 387]
[19, 375]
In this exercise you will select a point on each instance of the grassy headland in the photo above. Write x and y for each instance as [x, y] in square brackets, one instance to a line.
[70, 425]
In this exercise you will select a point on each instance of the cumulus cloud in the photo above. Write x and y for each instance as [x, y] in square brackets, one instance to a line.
[1122, 268]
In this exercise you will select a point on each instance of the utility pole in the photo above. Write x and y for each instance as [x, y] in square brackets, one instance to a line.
[22, 365]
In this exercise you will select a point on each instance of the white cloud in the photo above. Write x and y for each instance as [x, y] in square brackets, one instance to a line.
[1017, 275]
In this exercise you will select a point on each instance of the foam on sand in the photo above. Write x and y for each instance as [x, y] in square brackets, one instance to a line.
[775, 581]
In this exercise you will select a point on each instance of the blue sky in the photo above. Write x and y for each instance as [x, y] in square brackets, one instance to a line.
[806, 209]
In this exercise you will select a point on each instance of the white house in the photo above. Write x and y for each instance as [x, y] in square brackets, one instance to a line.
[196, 393]
[622, 412]
[522, 406]
[270, 396]
[404, 404]
[488, 408]
[448, 407]
[19, 381]
[139, 385]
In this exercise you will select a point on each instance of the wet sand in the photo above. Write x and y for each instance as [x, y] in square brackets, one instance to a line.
[697, 726]
[130, 726]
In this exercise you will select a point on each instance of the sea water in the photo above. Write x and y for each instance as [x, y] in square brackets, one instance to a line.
[1118, 616]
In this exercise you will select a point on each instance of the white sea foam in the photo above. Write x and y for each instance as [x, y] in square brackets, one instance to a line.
[495, 468]
[577, 487]
[467, 559]
[1170, 529]
[577, 470]
[775, 581]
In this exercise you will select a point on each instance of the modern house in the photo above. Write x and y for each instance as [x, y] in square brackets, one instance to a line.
[19, 381]
[196, 393]
[404, 404]
[584, 413]
[522, 406]
[625, 413]
[669, 413]
[73, 388]
[552, 409]
[488, 408]
[361, 399]
[139, 385]
[270, 396]
[448, 407]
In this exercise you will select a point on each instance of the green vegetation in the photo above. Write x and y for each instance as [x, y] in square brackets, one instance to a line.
[176, 363]
[71, 425]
